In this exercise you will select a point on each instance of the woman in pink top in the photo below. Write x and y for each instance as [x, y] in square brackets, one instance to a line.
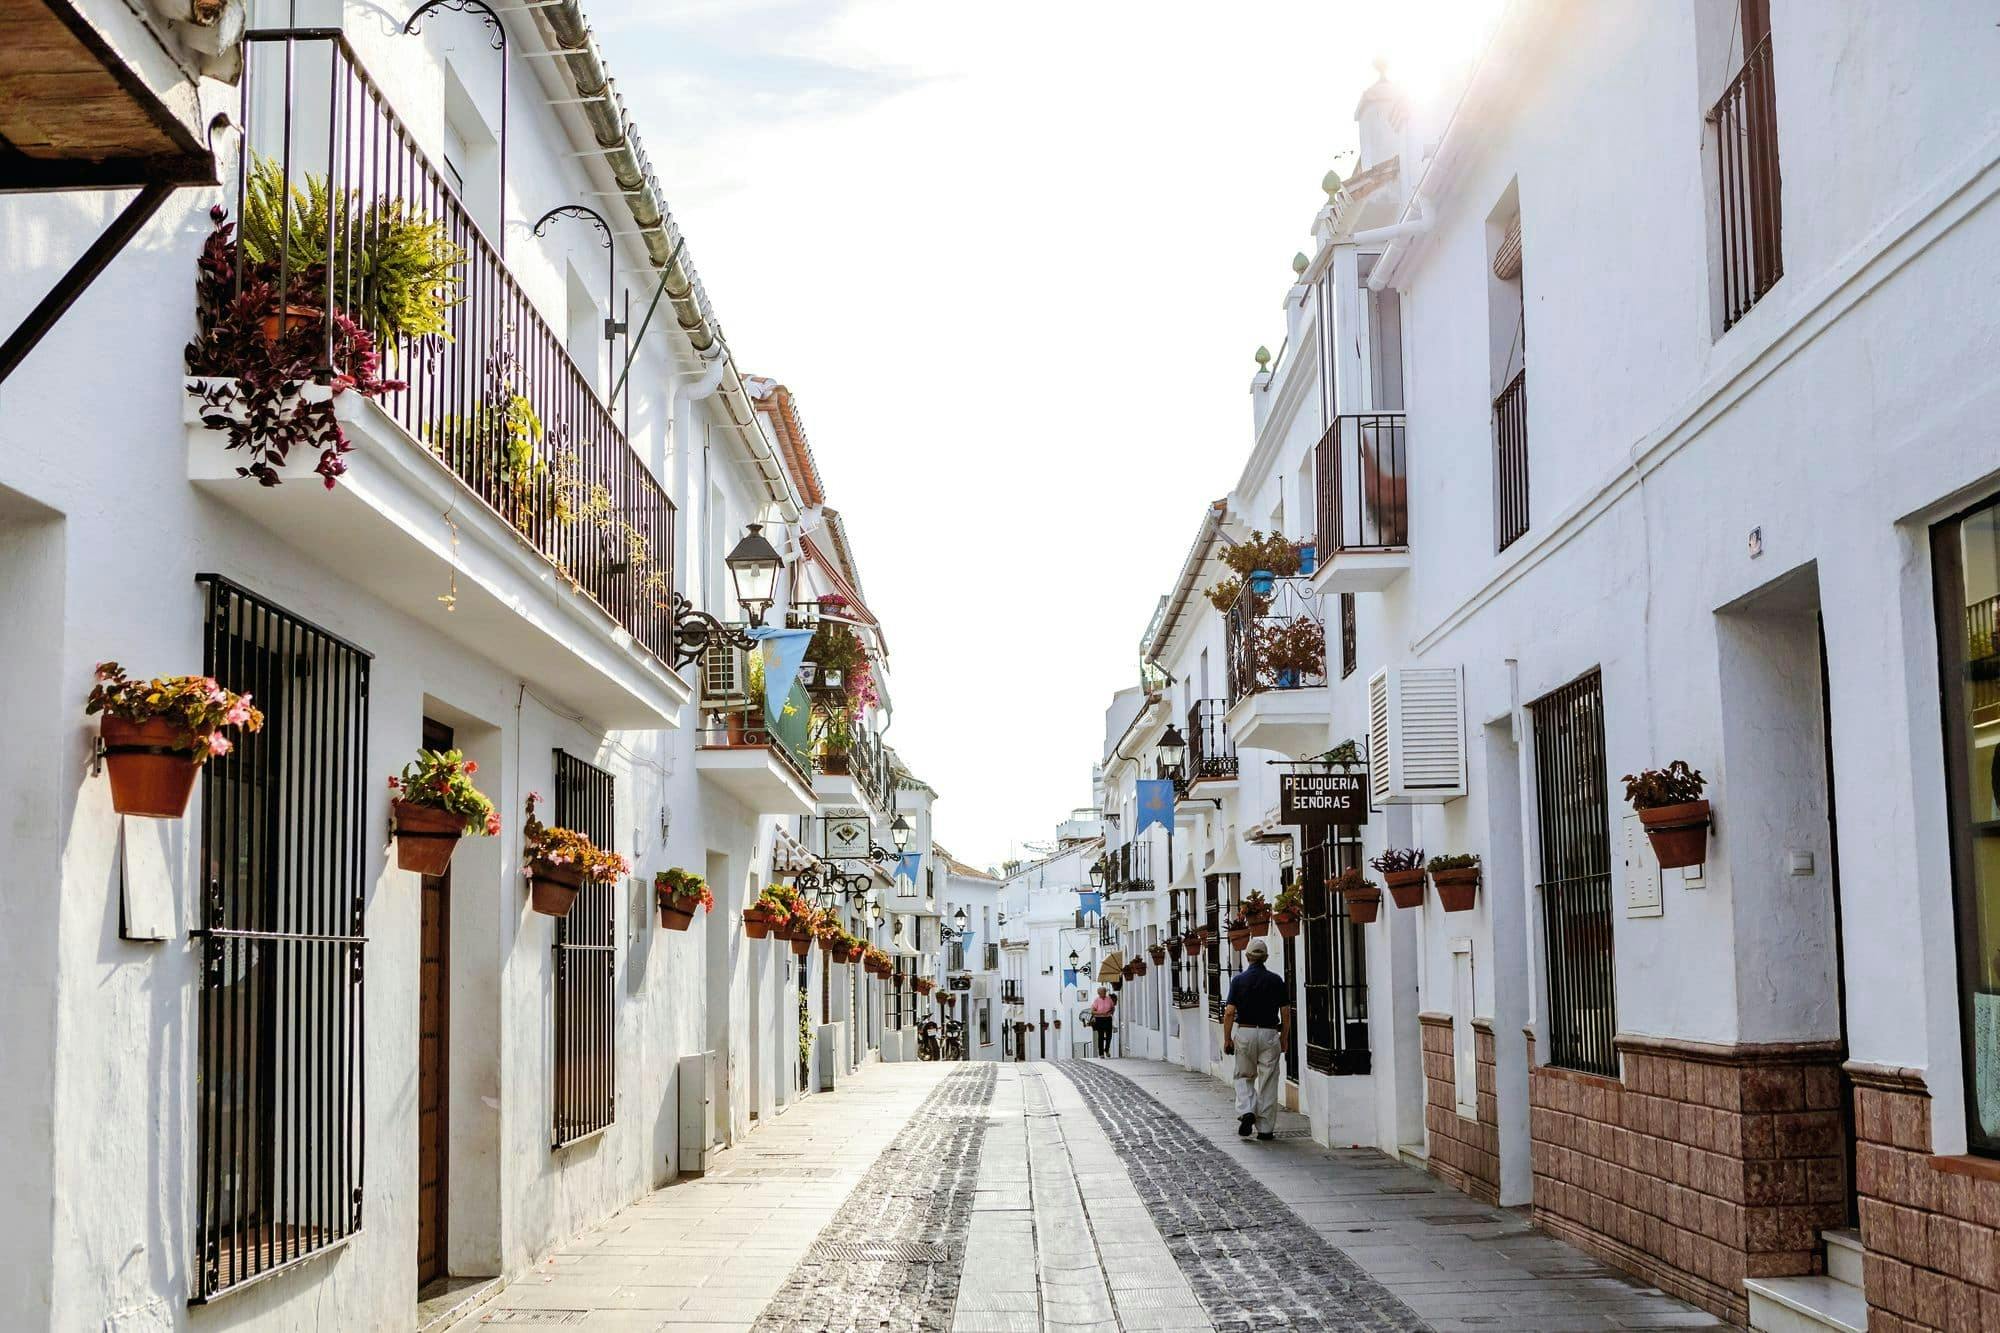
[1101, 1010]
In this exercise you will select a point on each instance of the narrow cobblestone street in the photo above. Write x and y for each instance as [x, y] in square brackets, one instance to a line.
[1078, 1195]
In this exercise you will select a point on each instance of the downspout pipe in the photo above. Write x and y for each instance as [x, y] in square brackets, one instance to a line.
[1418, 223]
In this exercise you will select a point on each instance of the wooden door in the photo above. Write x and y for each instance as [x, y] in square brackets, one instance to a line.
[433, 1058]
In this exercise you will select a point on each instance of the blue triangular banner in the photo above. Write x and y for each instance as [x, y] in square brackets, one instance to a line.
[1090, 902]
[1156, 803]
[1069, 976]
[906, 866]
[783, 650]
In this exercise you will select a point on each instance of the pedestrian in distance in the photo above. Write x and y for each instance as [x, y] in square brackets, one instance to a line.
[1101, 1010]
[1257, 1029]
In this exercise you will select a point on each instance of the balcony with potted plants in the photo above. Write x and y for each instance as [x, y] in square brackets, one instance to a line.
[1364, 503]
[762, 760]
[370, 382]
[1276, 651]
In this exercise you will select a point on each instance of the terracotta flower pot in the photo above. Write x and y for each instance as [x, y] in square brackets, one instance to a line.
[1288, 927]
[1679, 833]
[1363, 904]
[1139, 968]
[1159, 952]
[553, 888]
[677, 909]
[802, 944]
[755, 924]
[1405, 886]
[1239, 937]
[1195, 940]
[1458, 890]
[426, 837]
[1174, 948]
[151, 765]
[295, 317]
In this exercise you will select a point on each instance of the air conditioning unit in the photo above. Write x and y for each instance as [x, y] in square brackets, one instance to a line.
[1416, 735]
[725, 674]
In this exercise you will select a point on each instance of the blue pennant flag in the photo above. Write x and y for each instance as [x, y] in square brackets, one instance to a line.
[1069, 976]
[783, 650]
[906, 866]
[1090, 902]
[1156, 804]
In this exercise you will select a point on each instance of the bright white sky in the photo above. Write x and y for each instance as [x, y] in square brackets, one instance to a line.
[1014, 261]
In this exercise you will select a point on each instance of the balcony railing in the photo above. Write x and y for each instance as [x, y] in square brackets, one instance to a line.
[866, 760]
[1510, 460]
[1363, 484]
[1746, 159]
[494, 395]
[1211, 751]
[1010, 992]
[1275, 638]
[744, 726]
[1131, 869]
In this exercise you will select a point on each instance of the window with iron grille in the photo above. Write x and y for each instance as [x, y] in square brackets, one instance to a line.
[278, 1101]
[586, 1091]
[1348, 659]
[1336, 980]
[1212, 914]
[1748, 187]
[1576, 875]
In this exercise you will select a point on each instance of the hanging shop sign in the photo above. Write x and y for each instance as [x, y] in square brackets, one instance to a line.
[847, 836]
[960, 981]
[1323, 798]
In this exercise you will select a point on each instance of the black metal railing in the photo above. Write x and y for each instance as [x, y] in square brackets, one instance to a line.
[1510, 460]
[990, 960]
[1214, 924]
[496, 395]
[1576, 876]
[1361, 479]
[865, 759]
[1010, 992]
[1274, 638]
[1336, 962]
[1211, 751]
[1745, 118]
[278, 1120]
[585, 1071]
[1130, 869]
[743, 724]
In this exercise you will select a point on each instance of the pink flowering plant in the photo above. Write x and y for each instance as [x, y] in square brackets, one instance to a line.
[197, 707]
[563, 847]
[683, 885]
[442, 780]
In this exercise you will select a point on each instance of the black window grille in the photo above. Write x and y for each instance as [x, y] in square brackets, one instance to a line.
[1348, 657]
[1749, 193]
[1212, 915]
[586, 1083]
[1510, 460]
[278, 1102]
[1576, 875]
[1287, 875]
[1336, 980]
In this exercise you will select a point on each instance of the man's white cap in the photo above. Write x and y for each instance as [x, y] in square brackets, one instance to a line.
[1258, 951]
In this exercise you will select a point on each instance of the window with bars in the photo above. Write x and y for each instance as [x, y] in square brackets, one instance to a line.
[1336, 979]
[1576, 875]
[278, 1098]
[585, 1076]
[1748, 187]
[1508, 334]
[1348, 655]
[1212, 915]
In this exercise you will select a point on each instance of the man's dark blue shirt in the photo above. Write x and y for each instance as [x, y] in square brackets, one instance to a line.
[1258, 994]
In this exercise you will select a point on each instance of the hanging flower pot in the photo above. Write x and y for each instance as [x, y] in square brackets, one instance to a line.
[1362, 906]
[1457, 889]
[1174, 947]
[802, 942]
[1195, 940]
[151, 767]
[1159, 952]
[756, 921]
[1262, 581]
[1287, 924]
[1406, 887]
[425, 837]
[1239, 933]
[1671, 808]
[1679, 833]
[1139, 967]
[679, 895]
[552, 888]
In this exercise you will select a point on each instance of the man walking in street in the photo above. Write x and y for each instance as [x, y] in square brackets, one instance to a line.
[1257, 1029]
[1101, 1010]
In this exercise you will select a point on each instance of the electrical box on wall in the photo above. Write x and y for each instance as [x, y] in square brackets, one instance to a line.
[1642, 869]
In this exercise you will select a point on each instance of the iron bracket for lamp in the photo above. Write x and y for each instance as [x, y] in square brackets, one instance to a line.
[695, 630]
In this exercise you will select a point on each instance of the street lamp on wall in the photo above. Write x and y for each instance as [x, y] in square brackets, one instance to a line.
[753, 569]
[1171, 752]
[899, 833]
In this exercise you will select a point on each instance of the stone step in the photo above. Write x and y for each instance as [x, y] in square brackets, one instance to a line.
[1843, 1255]
[1806, 1305]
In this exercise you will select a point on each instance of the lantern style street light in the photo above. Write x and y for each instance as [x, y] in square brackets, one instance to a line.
[753, 567]
[1097, 874]
[899, 833]
[1171, 751]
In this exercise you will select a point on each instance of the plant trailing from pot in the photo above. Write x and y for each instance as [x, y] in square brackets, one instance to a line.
[1239, 932]
[803, 928]
[157, 733]
[1457, 880]
[1402, 869]
[1675, 816]
[1287, 912]
[1347, 754]
[1259, 560]
[1257, 912]
[1364, 896]
[679, 894]
[265, 393]
[1290, 653]
[434, 806]
[558, 861]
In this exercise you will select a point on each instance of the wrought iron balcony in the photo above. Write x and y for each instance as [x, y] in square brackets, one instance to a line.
[1211, 752]
[864, 760]
[1275, 638]
[1363, 492]
[763, 761]
[491, 415]
[1748, 186]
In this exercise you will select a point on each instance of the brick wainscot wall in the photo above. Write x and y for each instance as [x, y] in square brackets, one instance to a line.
[1463, 1153]
[1930, 1224]
[1703, 1165]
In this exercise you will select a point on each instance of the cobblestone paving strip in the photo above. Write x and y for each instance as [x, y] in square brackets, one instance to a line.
[1253, 1262]
[891, 1257]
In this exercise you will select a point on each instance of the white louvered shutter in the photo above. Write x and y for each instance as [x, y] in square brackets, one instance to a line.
[1417, 735]
[722, 672]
